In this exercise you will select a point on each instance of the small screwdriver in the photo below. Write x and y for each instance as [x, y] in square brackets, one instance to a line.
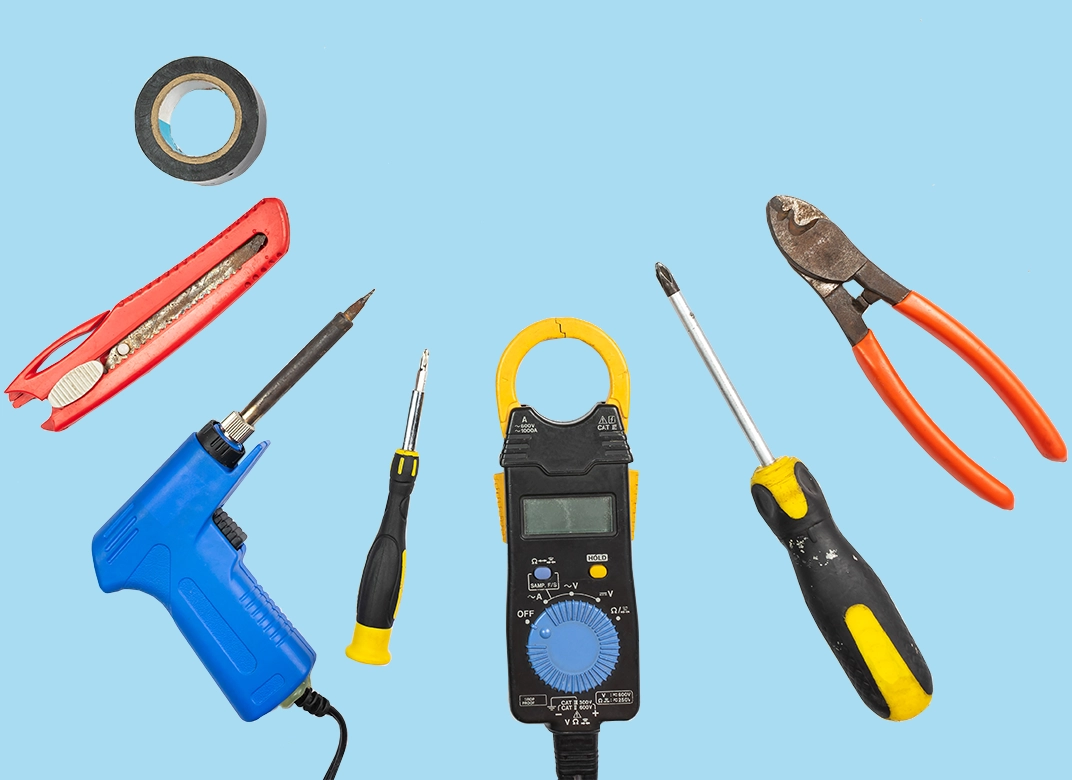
[847, 600]
[380, 593]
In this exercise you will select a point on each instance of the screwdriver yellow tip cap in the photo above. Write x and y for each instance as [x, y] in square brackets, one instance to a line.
[369, 645]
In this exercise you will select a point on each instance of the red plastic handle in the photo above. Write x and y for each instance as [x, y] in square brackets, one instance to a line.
[17, 391]
[882, 375]
[991, 368]
[268, 217]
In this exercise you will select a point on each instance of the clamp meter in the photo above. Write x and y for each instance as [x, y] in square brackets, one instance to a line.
[567, 507]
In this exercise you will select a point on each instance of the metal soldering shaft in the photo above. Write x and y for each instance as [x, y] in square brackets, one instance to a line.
[302, 362]
[703, 346]
[238, 426]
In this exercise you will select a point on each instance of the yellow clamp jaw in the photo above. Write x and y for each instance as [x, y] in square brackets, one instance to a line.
[560, 328]
[506, 386]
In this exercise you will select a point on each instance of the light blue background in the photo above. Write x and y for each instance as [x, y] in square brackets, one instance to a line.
[485, 166]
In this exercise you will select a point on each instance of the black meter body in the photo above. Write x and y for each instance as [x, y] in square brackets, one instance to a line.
[571, 630]
[567, 507]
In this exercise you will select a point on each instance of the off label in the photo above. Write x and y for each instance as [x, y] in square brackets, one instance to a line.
[608, 422]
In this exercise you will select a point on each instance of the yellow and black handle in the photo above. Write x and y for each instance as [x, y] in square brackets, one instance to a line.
[380, 592]
[850, 606]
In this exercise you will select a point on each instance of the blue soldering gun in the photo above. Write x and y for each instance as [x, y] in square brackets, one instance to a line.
[173, 540]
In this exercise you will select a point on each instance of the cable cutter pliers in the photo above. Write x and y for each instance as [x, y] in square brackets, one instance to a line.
[817, 250]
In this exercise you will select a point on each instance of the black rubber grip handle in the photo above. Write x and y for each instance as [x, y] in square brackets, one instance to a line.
[847, 600]
[381, 581]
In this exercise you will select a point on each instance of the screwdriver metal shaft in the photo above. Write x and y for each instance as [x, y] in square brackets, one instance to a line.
[703, 346]
[416, 402]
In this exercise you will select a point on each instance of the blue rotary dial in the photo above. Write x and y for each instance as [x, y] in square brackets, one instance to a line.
[573, 646]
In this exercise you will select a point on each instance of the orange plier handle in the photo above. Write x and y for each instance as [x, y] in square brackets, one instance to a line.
[882, 375]
[821, 253]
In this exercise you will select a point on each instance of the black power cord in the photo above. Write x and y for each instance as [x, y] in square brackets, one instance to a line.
[576, 755]
[315, 704]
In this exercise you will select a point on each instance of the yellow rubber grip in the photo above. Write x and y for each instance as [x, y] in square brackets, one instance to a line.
[899, 687]
[560, 328]
[369, 645]
[500, 498]
[401, 581]
[634, 483]
[781, 480]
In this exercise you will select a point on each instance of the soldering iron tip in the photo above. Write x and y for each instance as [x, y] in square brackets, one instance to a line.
[358, 306]
[666, 279]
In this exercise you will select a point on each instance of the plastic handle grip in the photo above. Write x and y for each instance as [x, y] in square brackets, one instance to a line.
[847, 600]
[34, 369]
[164, 542]
[383, 578]
[991, 368]
[268, 217]
[895, 394]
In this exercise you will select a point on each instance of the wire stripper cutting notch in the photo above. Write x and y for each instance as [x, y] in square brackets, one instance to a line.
[826, 259]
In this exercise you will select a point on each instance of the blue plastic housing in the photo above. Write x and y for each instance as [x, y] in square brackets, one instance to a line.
[164, 542]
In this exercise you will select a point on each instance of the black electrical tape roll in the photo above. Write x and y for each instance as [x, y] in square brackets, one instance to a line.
[157, 101]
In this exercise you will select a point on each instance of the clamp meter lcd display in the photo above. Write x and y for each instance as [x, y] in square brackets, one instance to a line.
[567, 503]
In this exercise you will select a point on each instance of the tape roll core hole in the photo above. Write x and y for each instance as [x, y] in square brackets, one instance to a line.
[562, 379]
[207, 118]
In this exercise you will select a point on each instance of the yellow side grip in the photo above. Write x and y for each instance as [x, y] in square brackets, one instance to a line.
[560, 328]
[898, 686]
[402, 461]
[500, 497]
[401, 585]
[634, 481]
[369, 645]
[781, 480]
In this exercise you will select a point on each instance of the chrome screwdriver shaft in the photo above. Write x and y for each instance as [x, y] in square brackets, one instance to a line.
[703, 346]
[416, 402]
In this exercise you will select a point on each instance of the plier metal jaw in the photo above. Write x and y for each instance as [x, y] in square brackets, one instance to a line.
[823, 255]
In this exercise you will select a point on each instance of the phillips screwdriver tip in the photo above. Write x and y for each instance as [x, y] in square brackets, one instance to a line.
[357, 306]
[666, 279]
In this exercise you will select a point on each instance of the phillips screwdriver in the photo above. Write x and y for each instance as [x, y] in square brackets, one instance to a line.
[380, 592]
[847, 600]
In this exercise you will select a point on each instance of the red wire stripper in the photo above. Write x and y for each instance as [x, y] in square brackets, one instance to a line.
[143, 329]
[817, 250]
